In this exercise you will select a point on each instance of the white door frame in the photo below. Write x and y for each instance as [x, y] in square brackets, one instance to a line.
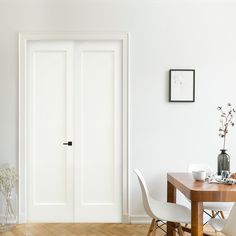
[24, 38]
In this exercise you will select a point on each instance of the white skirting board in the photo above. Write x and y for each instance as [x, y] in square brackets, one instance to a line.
[2, 219]
[140, 219]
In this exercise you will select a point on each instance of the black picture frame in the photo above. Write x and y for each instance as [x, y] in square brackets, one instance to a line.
[182, 85]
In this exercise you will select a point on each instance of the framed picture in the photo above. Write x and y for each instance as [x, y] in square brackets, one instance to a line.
[182, 85]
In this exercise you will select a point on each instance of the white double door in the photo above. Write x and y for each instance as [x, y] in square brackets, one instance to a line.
[74, 131]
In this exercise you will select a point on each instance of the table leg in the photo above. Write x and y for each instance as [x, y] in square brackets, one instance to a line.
[196, 218]
[171, 197]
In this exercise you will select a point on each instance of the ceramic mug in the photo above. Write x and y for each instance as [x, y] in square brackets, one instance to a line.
[199, 175]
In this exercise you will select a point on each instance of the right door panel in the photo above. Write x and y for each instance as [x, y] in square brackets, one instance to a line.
[98, 76]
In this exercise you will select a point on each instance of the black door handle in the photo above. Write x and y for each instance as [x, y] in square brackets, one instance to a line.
[68, 143]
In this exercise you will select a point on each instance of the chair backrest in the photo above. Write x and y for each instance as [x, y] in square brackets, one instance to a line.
[196, 167]
[145, 193]
[230, 226]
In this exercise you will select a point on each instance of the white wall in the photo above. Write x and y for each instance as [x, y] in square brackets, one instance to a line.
[164, 34]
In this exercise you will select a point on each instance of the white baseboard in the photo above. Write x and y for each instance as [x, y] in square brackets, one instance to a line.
[126, 219]
[140, 219]
[2, 220]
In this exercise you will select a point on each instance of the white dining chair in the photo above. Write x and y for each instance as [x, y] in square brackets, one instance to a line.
[225, 226]
[161, 212]
[216, 208]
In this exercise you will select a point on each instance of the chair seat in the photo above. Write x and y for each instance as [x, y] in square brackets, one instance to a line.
[170, 212]
[217, 206]
[217, 224]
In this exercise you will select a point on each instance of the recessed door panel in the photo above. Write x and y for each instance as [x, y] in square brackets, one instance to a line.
[50, 169]
[98, 69]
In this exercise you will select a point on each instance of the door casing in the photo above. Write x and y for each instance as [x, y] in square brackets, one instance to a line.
[24, 38]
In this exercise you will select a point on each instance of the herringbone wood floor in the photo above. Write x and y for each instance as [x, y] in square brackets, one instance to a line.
[83, 230]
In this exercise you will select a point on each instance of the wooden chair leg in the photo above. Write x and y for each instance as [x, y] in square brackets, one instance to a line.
[154, 229]
[213, 214]
[151, 227]
[222, 214]
[180, 230]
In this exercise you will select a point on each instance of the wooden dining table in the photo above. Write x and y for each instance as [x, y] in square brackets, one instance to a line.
[197, 192]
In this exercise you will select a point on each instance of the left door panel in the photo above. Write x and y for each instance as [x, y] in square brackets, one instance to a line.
[49, 125]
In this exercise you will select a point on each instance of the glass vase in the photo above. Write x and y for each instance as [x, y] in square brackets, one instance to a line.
[223, 161]
[8, 211]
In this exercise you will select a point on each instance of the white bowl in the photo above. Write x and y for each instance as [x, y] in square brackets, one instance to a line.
[199, 175]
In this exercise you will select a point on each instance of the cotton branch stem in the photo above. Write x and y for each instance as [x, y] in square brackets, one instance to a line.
[224, 142]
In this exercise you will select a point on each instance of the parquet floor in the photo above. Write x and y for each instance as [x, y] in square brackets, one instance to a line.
[83, 230]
